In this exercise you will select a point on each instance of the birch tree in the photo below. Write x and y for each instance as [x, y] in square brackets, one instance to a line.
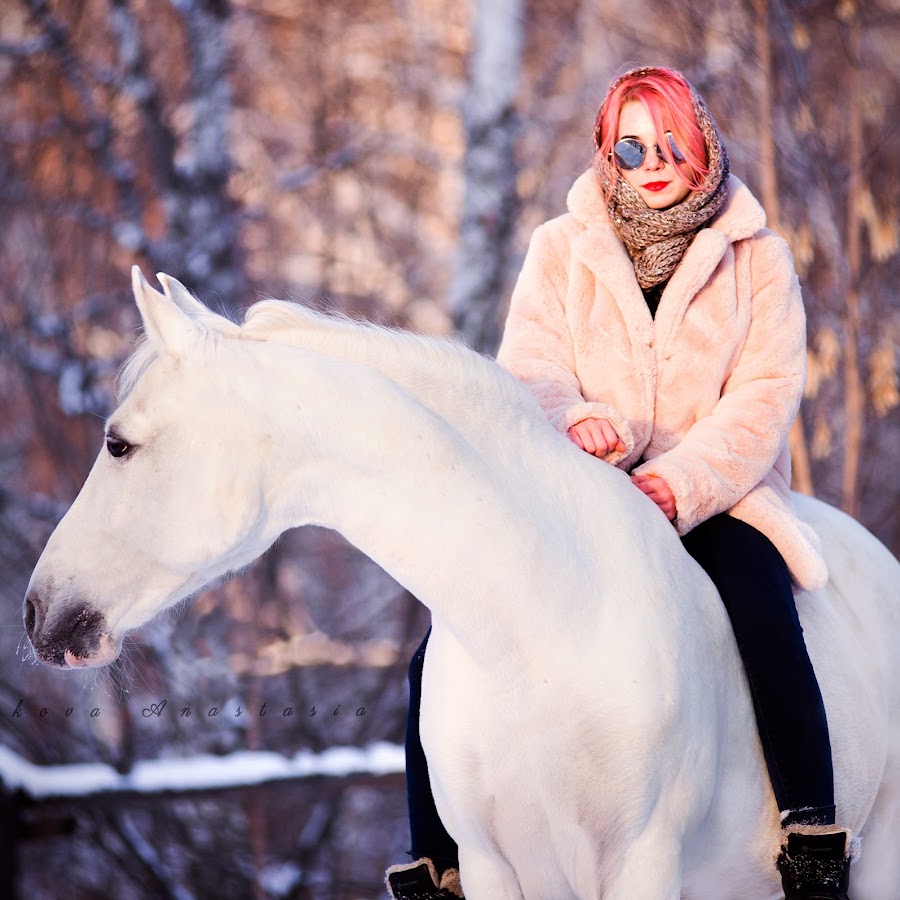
[768, 177]
[488, 171]
[854, 399]
[190, 162]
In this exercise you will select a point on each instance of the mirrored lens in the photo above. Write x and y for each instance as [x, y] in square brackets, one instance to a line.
[677, 155]
[629, 153]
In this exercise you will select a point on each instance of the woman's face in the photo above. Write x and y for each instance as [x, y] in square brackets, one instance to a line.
[656, 181]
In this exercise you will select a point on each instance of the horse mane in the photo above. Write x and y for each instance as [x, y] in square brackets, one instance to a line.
[137, 363]
[417, 360]
[291, 323]
[442, 373]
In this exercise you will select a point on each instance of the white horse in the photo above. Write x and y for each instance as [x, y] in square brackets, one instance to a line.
[585, 714]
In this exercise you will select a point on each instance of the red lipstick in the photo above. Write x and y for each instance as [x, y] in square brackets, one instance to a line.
[656, 185]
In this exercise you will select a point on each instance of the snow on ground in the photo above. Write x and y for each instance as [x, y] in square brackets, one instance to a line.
[200, 772]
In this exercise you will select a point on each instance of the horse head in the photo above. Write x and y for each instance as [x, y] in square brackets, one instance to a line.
[173, 500]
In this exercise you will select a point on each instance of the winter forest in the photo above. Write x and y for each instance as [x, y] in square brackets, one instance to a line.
[388, 159]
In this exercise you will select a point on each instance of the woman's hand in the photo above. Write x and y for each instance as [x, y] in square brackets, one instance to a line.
[658, 491]
[596, 436]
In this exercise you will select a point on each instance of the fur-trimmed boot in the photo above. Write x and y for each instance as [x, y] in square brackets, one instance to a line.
[419, 881]
[815, 863]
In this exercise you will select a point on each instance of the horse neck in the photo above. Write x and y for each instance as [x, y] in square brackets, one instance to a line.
[444, 470]
[359, 455]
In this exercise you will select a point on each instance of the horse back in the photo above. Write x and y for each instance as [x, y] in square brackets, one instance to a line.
[852, 631]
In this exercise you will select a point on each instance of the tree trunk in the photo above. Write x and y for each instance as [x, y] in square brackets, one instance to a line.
[854, 399]
[191, 171]
[204, 220]
[10, 827]
[768, 178]
[489, 171]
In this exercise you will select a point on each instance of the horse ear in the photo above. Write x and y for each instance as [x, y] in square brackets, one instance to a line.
[181, 296]
[165, 324]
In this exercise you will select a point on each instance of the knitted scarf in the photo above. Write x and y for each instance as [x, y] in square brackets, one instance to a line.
[656, 239]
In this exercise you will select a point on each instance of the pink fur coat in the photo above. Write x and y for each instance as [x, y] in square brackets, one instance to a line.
[706, 393]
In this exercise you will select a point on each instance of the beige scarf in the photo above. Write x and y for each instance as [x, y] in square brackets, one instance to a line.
[656, 239]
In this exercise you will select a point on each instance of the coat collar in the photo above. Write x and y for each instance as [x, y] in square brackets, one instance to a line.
[601, 250]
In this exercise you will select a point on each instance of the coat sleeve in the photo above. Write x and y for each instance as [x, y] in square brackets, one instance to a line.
[724, 455]
[537, 345]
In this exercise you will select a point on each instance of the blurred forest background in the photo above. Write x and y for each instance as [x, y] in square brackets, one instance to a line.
[388, 158]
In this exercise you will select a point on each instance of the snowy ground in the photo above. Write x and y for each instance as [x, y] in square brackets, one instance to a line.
[199, 772]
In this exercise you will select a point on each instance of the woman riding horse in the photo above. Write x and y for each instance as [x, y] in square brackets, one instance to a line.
[660, 326]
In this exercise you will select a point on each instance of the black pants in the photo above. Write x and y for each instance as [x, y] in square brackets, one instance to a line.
[755, 587]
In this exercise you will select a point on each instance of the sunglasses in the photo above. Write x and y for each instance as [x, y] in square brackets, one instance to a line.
[630, 152]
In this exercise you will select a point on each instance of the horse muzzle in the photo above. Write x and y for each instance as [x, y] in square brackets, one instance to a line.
[74, 636]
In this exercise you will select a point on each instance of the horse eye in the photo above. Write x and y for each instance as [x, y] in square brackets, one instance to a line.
[116, 446]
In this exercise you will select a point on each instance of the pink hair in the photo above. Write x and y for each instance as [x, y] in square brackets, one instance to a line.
[667, 96]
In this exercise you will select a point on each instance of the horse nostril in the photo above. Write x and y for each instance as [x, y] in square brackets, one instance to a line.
[30, 617]
[84, 638]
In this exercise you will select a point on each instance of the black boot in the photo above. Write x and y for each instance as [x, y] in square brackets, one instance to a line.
[420, 881]
[815, 866]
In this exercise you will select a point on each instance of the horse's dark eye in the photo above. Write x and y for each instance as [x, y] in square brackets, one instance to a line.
[116, 446]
